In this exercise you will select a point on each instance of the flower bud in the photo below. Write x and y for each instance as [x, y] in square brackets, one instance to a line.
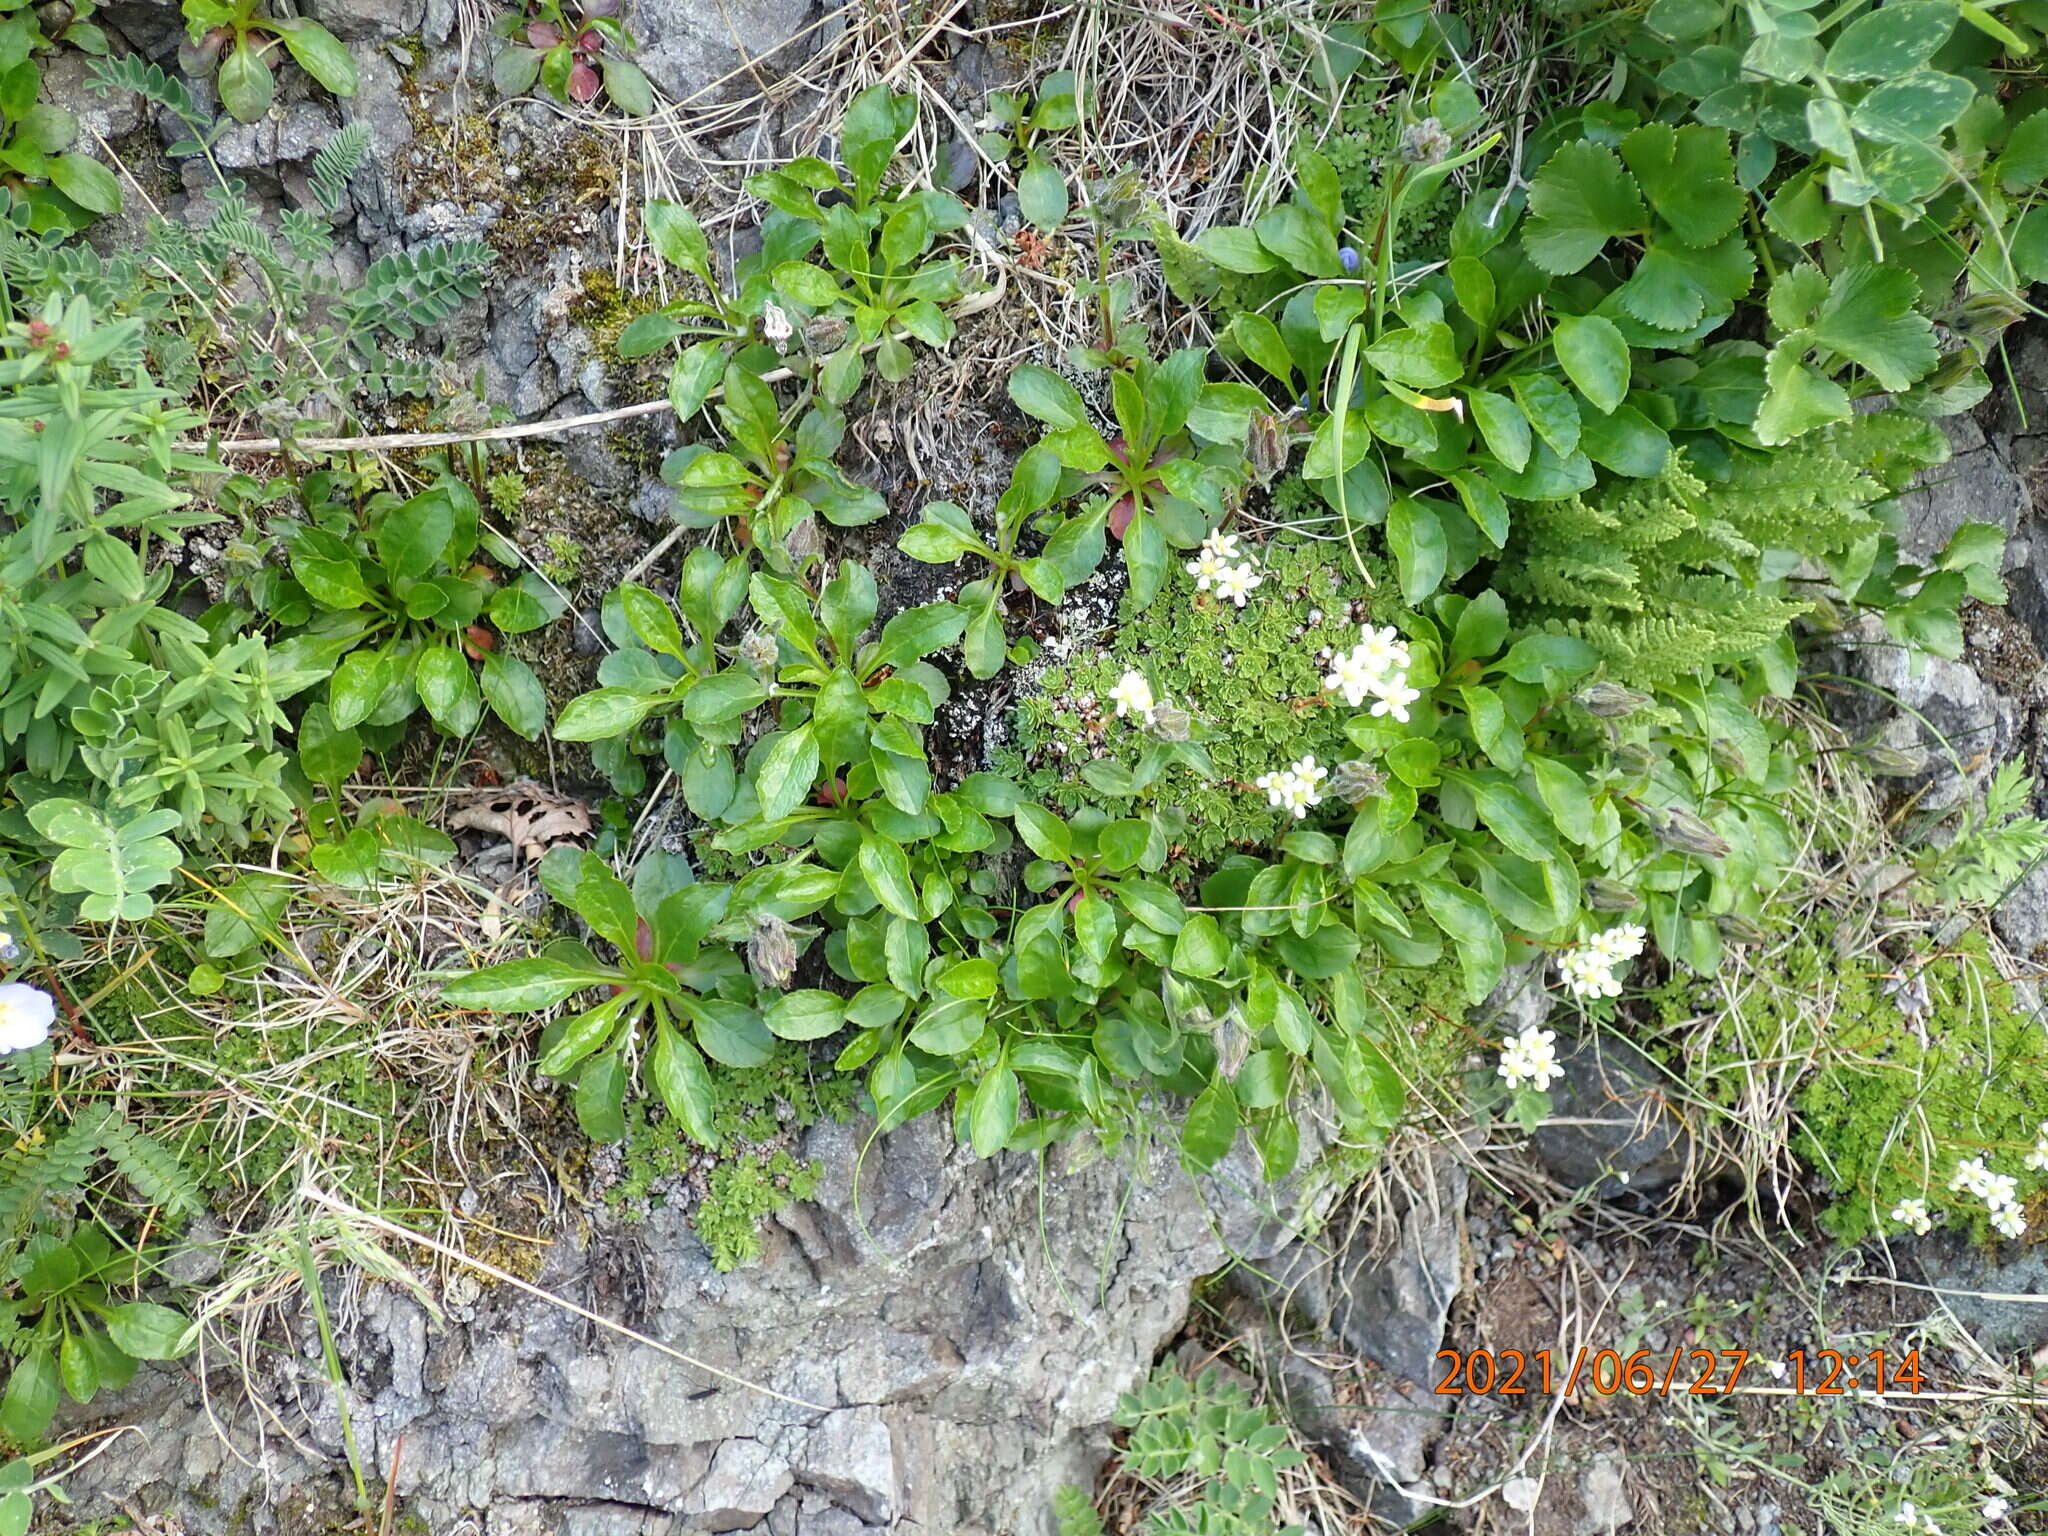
[804, 541]
[1727, 756]
[1611, 896]
[1737, 929]
[1348, 255]
[1679, 828]
[1609, 701]
[1634, 760]
[759, 651]
[1170, 723]
[1266, 447]
[1425, 143]
[1355, 781]
[1893, 762]
[771, 951]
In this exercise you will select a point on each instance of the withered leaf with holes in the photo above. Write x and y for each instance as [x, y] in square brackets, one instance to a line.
[529, 816]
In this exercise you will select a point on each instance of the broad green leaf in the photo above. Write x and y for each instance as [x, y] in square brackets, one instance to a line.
[1423, 357]
[600, 1098]
[684, 1083]
[323, 56]
[886, 869]
[1210, 1127]
[1503, 426]
[1421, 551]
[1581, 199]
[524, 986]
[1688, 175]
[806, 1015]
[785, 772]
[992, 1112]
[1594, 357]
[1042, 194]
[147, 1331]
[86, 182]
[1039, 392]
[1891, 41]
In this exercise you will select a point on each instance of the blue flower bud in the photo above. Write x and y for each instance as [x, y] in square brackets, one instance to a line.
[1348, 254]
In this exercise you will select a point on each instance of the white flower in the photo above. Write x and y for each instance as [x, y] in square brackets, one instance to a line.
[2038, 1158]
[1354, 674]
[1394, 699]
[1912, 1212]
[1970, 1177]
[1996, 1508]
[1133, 696]
[1776, 1368]
[1207, 568]
[1235, 582]
[2009, 1221]
[1222, 547]
[26, 1014]
[775, 324]
[1907, 1514]
[1304, 788]
[2001, 1189]
[1530, 1058]
[1930, 1525]
[1383, 648]
[1588, 968]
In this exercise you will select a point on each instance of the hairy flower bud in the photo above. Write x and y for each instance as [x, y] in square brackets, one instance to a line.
[1738, 929]
[1425, 143]
[1355, 781]
[759, 652]
[1634, 760]
[804, 541]
[1676, 827]
[1611, 896]
[1609, 701]
[1170, 723]
[771, 951]
[1266, 446]
[1893, 762]
[1727, 756]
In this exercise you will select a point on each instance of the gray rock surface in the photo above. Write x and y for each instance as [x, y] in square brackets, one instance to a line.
[953, 1362]
[367, 21]
[1379, 1290]
[1611, 1128]
[687, 47]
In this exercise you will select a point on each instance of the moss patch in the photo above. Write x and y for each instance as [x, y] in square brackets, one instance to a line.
[754, 1173]
[1252, 678]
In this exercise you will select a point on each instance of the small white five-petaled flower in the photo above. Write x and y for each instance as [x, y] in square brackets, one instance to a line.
[1589, 967]
[26, 1014]
[1912, 1213]
[1133, 696]
[1234, 583]
[1996, 1508]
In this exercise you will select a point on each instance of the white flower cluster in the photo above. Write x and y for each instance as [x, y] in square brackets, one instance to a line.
[1589, 968]
[1376, 668]
[1908, 1515]
[2000, 1193]
[1218, 564]
[1531, 1058]
[1295, 788]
